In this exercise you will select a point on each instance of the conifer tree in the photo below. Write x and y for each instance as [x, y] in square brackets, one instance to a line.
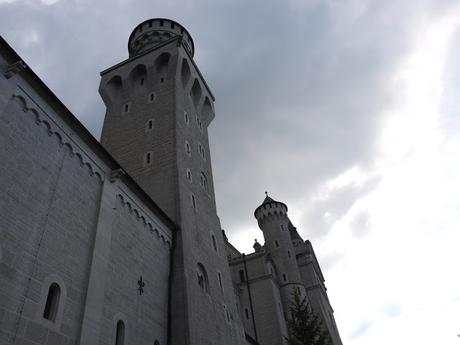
[304, 326]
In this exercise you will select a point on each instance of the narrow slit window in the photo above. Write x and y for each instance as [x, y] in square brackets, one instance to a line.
[189, 175]
[219, 276]
[142, 81]
[126, 108]
[246, 312]
[162, 80]
[284, 277]
[277, 244]
[192, 197]
[242, 276]
[186, 118]
[214, 244]
[148, 158]
[149, 125]
[152, 97]
[52, 302]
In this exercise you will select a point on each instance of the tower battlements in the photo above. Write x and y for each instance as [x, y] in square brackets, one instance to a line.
[270, 208]
[151, 32]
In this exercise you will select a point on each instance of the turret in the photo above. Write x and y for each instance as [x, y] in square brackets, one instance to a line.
[153, 32]
[273, 220]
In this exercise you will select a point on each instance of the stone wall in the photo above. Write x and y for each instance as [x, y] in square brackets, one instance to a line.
[67, 219]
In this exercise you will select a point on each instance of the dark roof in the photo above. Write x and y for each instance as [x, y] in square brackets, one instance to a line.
[267, 201]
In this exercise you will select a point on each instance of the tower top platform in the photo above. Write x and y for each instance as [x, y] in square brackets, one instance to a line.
[154, 31]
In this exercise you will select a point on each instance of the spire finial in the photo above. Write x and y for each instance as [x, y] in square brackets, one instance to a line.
[266, 194]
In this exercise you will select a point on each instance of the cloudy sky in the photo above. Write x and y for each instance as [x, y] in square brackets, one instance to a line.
[346, 110]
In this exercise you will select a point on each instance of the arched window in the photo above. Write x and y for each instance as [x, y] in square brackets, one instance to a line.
[52, 302]
[204, 181]
[120, 336]
[137, 75]
[207, 109]
[114, 87]
[202, 277]
[185, 72]
[196, 93]
[161, 67]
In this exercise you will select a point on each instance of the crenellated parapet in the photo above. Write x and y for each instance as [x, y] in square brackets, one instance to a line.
[269, 210]
[152, 32]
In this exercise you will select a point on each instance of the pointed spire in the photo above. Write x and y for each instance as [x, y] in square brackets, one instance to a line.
[267, 199]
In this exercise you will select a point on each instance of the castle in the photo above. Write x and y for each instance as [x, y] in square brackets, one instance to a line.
[118, 242]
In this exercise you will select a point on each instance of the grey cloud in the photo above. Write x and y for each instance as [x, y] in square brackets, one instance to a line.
[361, 224]
[301, 87]
[321, 215]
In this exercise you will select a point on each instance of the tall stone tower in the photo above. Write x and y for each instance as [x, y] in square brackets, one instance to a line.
[273, 220]
[159, 108]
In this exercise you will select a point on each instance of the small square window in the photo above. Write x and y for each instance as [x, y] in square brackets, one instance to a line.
[126, 108]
